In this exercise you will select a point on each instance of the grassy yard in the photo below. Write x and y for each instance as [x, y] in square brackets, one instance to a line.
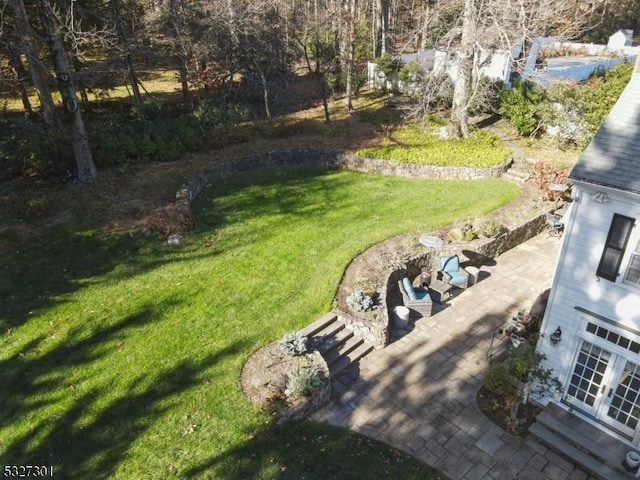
[120, 357]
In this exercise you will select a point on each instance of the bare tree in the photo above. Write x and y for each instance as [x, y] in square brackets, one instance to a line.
[20, 71]
[381, 27]
[350, 34]
[39, 72]
[491, 24]
[86, 169]
[123, 44]
[459, 119]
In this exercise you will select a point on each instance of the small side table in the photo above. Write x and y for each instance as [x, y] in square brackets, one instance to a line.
[439, 291]
[473, 274]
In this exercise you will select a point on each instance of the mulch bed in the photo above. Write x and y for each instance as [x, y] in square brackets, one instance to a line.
[498, 411]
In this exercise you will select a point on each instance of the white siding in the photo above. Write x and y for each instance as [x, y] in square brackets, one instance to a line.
[575, 283]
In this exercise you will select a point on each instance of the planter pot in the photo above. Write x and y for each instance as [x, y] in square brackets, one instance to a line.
[401, 315]
[632, 461]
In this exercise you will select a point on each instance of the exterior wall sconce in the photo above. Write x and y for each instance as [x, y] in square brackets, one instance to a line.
[556, 336]
[600, 197]
[576, 194]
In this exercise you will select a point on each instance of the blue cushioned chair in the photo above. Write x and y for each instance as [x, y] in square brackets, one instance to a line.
[417, 300]
[452, 273]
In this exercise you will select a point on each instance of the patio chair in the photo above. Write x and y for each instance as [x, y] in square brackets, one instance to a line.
[452, 273]
[555, 225]
[417, 300]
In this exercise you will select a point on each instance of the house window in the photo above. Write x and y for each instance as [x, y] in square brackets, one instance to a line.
[613, 252]
[633, 271]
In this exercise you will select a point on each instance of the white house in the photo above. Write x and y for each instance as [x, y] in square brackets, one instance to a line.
[620, 39]
[499, 64]
[595, 295]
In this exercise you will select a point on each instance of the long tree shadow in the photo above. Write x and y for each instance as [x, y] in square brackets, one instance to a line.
[304, 449]
[87, 439]
[42, 274]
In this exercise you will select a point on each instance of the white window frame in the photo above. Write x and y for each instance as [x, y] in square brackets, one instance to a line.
[630, 256]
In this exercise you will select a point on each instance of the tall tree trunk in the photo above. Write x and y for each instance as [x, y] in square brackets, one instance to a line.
[265, 93]
[350, 46]
[77, 67]
[36, 69]
[181, 50]
[123, 40]
[318, 68]
[424, 25]
[21, 74]
[386, 34]
[184, 76]
[380, 21]
[86, 169]
[459, 120]
[376, 27]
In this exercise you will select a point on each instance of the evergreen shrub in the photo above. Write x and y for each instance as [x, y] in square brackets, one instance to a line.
[30, 149]
[522, 106]
[294, 343]
[498, 380]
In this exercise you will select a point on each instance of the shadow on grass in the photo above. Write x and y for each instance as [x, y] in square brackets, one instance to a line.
[297, 191]
[40, 275]
[305, 449]
[89, 436]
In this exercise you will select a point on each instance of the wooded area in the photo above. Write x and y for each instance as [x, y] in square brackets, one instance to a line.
[236, 55]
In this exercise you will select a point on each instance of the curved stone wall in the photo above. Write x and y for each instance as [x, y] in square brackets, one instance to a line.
[491, 248]
[377, 331]
[332, 159]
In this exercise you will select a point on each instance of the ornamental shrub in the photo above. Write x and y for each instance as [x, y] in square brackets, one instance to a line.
[31, 149]
[389, 65]
[498, 380]
[489, 228]
[293, 344]
[487, 96]
[577, 111]
[360, 302]
[170, 219]
[303, 381]
[150, 109]
[544, 174]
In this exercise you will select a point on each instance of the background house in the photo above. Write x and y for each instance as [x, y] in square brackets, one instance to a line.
[576, 62]
[595, 295]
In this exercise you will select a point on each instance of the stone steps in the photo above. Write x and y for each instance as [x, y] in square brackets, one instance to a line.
[580, 442]
[340, 346]
[518, 172]
[319, 324]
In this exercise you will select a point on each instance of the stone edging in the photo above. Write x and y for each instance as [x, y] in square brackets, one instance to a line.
[332, 159]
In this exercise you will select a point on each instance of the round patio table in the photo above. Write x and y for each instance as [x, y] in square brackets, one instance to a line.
[430, 241]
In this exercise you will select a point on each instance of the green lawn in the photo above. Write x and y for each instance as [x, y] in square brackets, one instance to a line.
[120, 357]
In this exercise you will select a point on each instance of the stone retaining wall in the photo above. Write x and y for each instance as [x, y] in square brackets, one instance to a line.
[376, 331]
[490, 248]
[332, 159]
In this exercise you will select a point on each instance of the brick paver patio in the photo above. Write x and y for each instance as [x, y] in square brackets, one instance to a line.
[419, 392]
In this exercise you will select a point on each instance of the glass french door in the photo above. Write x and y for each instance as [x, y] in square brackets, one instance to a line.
[607, 387]
[621, 406]
[588, 379]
